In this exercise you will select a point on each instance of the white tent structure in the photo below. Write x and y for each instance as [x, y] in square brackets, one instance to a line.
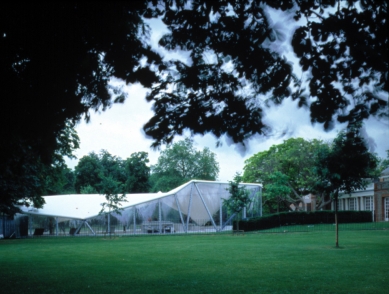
[194, 206]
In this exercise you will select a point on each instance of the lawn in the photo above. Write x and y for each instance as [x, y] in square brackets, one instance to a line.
[252, 263]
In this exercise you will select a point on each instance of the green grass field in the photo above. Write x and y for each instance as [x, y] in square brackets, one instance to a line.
[250, 263]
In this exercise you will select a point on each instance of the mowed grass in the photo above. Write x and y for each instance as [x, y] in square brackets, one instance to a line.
[252, 263]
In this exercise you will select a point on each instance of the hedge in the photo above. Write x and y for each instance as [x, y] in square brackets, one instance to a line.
[303, 218]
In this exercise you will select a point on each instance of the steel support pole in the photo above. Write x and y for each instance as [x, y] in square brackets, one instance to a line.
[79, 227]
[109, 223]
[30, 223]
[179, 211]
[90, 228]
[189, 208]
[159, 216]
[56, 225]
[221, 209]
[228, 220]
[134, 217]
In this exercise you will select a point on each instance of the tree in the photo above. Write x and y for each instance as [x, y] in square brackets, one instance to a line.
[287, 172]
[111, 190]
[112, 166]
[345, 166]
[181, 162]
[56, 62]
[138, 173]
[345, 54]
[88, 190]
[103, 173]
[88, 172]
[132, 174]
[92, 171]
[239, 197]
[24, 177]
[384, 163]
[236, 65]
[61, 180]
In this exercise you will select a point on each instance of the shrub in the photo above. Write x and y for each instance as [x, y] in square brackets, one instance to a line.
[303, 218]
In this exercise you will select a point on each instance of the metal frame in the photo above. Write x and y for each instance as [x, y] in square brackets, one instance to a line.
[189, 209]
[179, 210]
[187, 190]
[87, 224]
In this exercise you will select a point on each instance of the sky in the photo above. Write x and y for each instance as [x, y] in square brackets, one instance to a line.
[119, 129]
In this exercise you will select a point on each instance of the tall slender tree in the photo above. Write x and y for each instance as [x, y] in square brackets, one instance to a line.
[239, 198]
[345, 167]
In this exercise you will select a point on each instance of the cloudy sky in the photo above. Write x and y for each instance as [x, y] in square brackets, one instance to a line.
[119, 129]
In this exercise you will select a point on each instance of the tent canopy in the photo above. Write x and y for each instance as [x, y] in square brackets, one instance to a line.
[86, 206]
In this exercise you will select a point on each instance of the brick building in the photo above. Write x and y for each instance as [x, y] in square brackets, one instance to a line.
[381, 197]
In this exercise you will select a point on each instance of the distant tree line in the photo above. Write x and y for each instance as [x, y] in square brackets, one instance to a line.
[178, 163]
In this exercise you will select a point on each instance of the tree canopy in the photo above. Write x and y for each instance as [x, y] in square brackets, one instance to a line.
[181, 162]
[297, 167]
[138, 173]
[346, 165]
[287, 171]
[235, 66]
[98, 173]
[55, 64]
[24, 177]
[56, 61]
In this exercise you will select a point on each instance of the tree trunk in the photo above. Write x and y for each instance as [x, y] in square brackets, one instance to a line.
[336, 220]
[237, 222]
[109, 224]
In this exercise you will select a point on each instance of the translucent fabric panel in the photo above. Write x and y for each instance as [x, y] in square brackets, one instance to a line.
[198, 212]
[126, 216]
[212, 195]
[169, 211]
[148, 211]
[183, 197]
[190, 205]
